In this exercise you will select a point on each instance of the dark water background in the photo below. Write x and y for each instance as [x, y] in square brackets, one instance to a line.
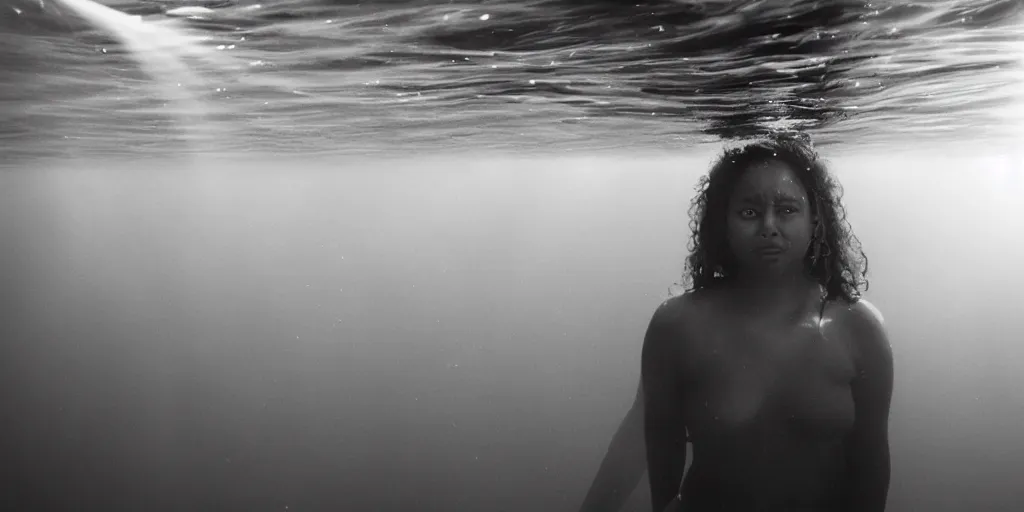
[402, 276]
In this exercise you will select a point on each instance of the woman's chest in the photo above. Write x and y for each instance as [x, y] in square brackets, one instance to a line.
[793, 382]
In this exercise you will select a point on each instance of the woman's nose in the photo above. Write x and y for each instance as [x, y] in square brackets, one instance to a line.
[768, 227]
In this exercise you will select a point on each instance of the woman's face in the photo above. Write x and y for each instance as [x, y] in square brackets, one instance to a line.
[769, 220]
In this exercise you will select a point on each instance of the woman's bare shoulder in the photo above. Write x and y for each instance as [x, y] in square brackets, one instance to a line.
[862, 323]
[669, 341]
[859, 315]
[681, 309]
[679, 319]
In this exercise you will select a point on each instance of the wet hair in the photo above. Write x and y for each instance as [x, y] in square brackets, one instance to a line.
[835, 258]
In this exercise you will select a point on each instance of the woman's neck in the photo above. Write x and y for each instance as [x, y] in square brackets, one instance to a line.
[773, 294]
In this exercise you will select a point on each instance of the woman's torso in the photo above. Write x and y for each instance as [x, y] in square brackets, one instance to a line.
[767, 407]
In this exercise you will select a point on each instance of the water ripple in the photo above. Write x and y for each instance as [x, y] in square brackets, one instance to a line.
[358, 77]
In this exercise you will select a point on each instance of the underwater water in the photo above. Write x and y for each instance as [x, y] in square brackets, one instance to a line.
[401, 255]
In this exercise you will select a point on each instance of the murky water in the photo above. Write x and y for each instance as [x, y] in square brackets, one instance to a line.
[410, 258]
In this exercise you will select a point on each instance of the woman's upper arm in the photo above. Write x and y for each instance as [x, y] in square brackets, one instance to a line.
[873, 385]
[868, 443]
[660, 359]
[664, 428]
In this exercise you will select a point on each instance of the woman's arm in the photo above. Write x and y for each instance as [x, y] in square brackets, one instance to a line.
[623, 465]
[868, 444]
[664, 428]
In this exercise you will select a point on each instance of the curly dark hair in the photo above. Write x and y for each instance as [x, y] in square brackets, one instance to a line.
[835, 258]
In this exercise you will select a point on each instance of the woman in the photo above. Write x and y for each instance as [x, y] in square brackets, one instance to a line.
[771, 365]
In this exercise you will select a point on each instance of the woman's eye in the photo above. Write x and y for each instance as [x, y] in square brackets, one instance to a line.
[748, 213]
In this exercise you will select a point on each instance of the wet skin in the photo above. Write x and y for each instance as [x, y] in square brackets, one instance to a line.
[785, 398]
